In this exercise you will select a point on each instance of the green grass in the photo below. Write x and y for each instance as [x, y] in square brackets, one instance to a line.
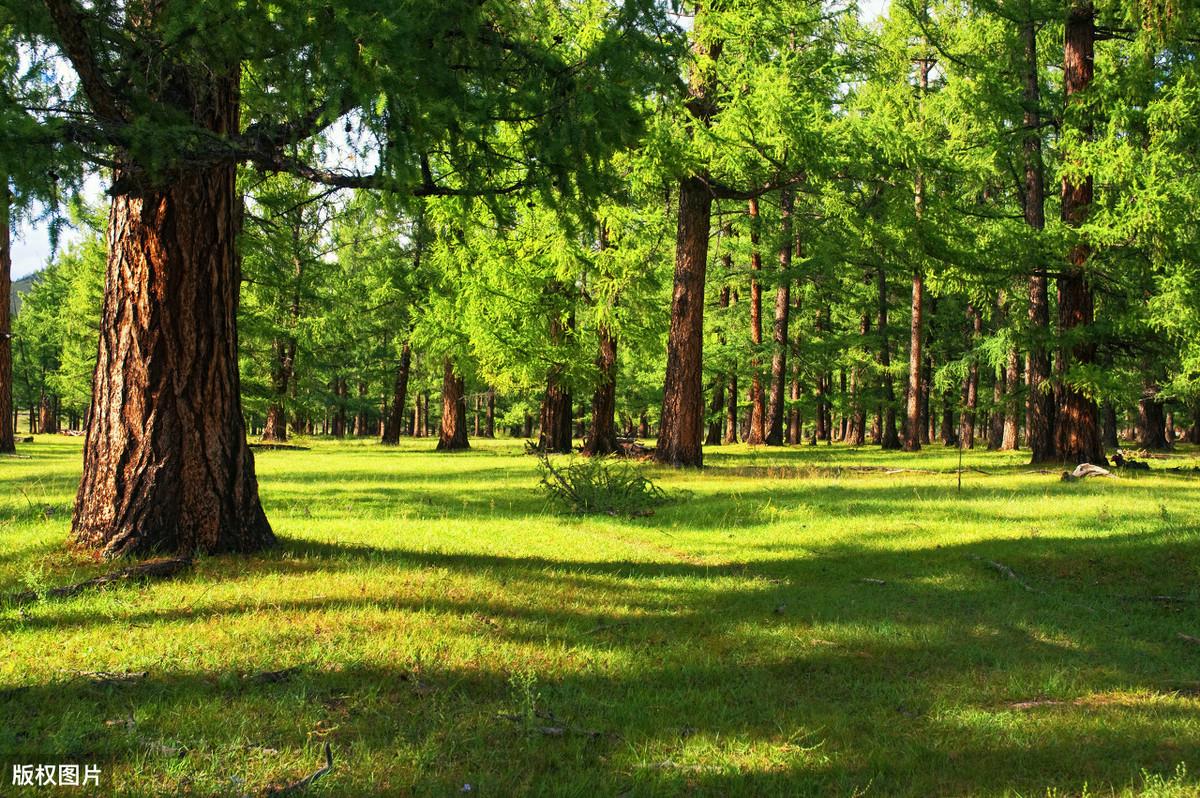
[440, 616]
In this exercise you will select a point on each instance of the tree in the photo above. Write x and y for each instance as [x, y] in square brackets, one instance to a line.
[161, 99]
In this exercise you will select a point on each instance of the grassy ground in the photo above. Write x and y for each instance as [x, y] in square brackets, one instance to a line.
[793, 624]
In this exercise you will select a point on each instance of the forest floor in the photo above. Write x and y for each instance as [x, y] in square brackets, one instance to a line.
[796, 622]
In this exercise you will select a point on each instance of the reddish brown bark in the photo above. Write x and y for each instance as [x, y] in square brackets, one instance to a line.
[681, 425]
[1009, 440]
[1077, 428]
[166, 465]
[1152, 420]
[731, 410]
[453, 435]
[912, 429]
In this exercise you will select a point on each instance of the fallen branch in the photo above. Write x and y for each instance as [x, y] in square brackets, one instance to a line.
[153, 569]
[1189, 639]
[305, 782]
[269, 447]
[1004, 571]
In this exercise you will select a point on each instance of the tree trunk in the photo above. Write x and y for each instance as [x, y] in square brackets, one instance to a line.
[47, 420]
[453, 436]
[1077, 432]
[731, 410]
[682, 425]
[793, 436]
[1109, 426]
[971, 384]
[7, 416]
[783, 304]
[1151, 421]
[490, 428]
[1039, 431]
[395, 417]
[758, 413]
[602, 439]
[889, 439]
[361, 415]
[912, 429]
[996, 419]
[1012, 407]
[717, 410]
[166, 464]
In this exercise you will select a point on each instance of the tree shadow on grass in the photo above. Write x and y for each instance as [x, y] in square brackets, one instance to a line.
[782, 676]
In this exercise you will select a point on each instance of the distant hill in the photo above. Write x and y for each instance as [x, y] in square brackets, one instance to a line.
[20, 287]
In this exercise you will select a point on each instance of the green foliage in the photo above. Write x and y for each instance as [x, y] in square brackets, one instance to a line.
[599, 485]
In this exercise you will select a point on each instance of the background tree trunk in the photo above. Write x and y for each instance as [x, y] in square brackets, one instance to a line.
[758, 412]
[1152, 420]
[971, 384]
[490, 427]
[783, 304]
[166, 464]
[453, 436]
[395, 417]
[731, 410]
[602, 439]
[1010, 439]
[889, 439]
[912, 429]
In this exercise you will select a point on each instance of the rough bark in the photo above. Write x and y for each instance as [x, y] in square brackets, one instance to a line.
[681, 426]
[783, 304]
[1108, 414]
[166, 464]
[1077, 429]
[888, 437]
[453, 435]
[395, 417]
[7, 416]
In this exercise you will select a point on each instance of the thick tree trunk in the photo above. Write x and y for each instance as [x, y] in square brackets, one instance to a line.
[888, 438]
[166, 464]
[7, 416]
[453, 435]
[794, 425]
[971, 384]
[682, 425]
[858, 405]
[1077, 429]
[395, 417]
[757, 433]
[555, 420]
[783, 304]
[602, 438]
[47, 415]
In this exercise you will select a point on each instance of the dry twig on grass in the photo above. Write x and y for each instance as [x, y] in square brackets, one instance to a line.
[152, 569]
[1004, 571]
[307, 781]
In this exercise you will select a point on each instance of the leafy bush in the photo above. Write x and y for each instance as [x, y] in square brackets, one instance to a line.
[600, 485]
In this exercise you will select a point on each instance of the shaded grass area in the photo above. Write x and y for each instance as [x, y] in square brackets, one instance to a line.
[799, 622]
